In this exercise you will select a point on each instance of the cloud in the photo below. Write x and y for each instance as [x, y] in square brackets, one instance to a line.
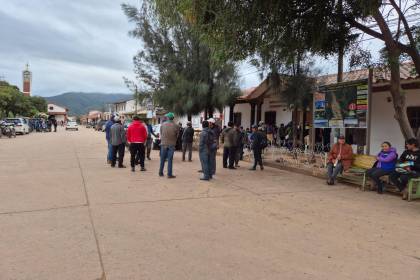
[70, 45]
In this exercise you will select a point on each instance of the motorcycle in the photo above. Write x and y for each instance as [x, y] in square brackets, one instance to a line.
[7, 129]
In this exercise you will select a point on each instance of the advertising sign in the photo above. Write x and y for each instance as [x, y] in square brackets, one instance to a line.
[341, 105]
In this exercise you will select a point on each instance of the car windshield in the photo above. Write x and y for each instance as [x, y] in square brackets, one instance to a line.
[15, 121]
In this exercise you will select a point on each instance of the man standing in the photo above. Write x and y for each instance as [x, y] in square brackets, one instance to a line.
[108, 125]
[178, 146]
[258, 141]
[118, 141]
[206, 141]
[215, 131]
[168, 135]
[281, 134]
[339, 159]
[228, 139]
[149, 141]
[136, 137]
[238, 139]
[187, 141]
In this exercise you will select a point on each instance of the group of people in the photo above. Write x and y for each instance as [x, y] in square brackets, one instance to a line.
[138, 138]
[399, 169]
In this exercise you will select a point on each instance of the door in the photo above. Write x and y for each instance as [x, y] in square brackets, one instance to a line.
[270, 118]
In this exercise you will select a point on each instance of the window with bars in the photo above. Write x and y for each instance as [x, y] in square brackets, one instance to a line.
[413, 114]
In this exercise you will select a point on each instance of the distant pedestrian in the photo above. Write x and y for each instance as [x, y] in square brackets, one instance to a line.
[168, 135]
[108, 125]
[187, 141]
[137, 137]
[229, 149]
[204, 148]
[149, 142]
[241, 140]
[178, 146]
[118, 141]
[258, 144]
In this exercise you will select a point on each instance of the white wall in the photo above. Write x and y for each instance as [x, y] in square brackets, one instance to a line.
[383, 125]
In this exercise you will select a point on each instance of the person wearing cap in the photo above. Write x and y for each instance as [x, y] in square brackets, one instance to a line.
[168, 136]
[118, 140]
[257, 145]
[136, 137]
[108, 125]
[214, 129]
[339, 159]
[187, 141]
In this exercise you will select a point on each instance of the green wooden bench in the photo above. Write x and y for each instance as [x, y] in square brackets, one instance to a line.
[357, 172]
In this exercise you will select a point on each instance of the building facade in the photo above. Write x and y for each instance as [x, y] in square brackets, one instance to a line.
[60, 113]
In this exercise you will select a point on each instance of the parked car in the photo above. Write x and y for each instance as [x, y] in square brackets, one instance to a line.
[21, 125]
[72, 125]
[100, 126]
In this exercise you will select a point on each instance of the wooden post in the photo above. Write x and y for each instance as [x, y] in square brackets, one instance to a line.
[369, 113]
[252, 115]
[231, 110]
[259, 111]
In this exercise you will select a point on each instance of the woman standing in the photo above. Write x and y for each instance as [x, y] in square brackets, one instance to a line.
[385, 165]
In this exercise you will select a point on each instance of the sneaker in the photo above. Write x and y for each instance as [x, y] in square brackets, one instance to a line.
[190, 160]
[171, 177]
[252, 168]
[200, 171]
[122, 166]
[262, 167]
[161, 175]
[149, 158]
[109, 161]
[113, 165]
[233, 168]
[143, 169]
[204, 179]
[133, 169]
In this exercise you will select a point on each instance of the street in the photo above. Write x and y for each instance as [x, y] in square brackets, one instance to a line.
[65, 214]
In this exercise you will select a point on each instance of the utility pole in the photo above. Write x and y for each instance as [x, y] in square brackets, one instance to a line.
[136, 97]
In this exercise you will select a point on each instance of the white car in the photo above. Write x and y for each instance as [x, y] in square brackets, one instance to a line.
[21, 125]
[72, 125]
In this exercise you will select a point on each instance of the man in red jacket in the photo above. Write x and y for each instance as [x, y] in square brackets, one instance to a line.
[137, 137]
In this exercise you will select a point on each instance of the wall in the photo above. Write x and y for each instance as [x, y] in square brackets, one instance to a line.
[383, 125]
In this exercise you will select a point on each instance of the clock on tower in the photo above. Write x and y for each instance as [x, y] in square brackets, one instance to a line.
[27, 80]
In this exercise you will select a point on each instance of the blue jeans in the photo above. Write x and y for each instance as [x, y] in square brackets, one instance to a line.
[166, 152]
[109, 157]
[205, 164]
[212, 162]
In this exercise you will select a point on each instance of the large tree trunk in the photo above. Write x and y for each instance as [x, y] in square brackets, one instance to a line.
[398, 98]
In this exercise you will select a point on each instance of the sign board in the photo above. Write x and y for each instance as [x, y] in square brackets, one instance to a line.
[343, 105]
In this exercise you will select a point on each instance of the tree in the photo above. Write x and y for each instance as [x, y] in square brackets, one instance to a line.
[15, 103]
[176, 65]
[242, 28]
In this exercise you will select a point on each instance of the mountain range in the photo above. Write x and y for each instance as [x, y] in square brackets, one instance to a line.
[80, 103]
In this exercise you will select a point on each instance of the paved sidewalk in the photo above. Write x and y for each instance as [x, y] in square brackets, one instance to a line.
[65, 214]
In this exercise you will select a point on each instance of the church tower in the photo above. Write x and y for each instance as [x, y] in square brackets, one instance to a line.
[27, 81]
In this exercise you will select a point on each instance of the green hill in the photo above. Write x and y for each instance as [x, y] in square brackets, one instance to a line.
[80, 103]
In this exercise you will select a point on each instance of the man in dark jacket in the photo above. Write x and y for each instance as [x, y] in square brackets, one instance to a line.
[187, 141]
[206, 141]
[215, 131]
[149, 141]
[238, 143]
[229, 149]
[108, 125]
[257, 143]
[408, 166]
[118, 141]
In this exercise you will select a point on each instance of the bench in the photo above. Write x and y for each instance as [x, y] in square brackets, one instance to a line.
[357, 172]
[357, 175]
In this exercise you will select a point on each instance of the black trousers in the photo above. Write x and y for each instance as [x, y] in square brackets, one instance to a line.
[257, 158]
[375, 174]
[229, 155]
[401, 180]
[137, 151]
[120, 149]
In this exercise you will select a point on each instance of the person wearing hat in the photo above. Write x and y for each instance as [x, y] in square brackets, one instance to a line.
[339, 159]
[168, 136]
[214, 129]
[257, 145]
[118, 140]
[229, 149]
[187, 141]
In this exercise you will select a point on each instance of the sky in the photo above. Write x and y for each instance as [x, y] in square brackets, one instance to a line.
[77, 45]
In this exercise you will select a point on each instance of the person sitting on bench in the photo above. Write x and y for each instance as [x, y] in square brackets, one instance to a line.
[339, 159]
[408, 166]
[385, 165]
